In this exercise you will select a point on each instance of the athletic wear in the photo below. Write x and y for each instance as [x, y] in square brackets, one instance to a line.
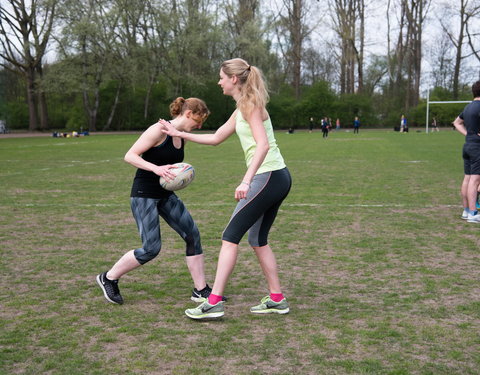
[257, 212]
[267, 306]
[471, 148]
[471, 118]
[465, 214]
[473, 218]
[146, 183]
[276, 297]
[146, 212]
[110, 289]
[273, 160]
[149, 201]
[206, 311]
[202, 295]
[268, 189]
[471, 158]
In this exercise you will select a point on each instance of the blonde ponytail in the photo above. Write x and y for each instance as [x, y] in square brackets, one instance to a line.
[253, 88]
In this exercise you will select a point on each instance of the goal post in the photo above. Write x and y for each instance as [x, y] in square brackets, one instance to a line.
[439, 102]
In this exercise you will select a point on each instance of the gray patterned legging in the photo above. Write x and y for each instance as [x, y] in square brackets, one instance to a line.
[146, 212]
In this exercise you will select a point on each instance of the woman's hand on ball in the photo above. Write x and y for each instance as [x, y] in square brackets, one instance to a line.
[164, 171]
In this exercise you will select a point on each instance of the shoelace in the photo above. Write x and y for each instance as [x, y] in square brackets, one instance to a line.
[115, 287]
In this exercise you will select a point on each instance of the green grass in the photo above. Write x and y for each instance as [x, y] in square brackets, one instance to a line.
[381, 273]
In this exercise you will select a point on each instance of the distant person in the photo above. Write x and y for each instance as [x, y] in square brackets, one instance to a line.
[310, 124]
[325, 127]
[356, 125]
[403, 124]
[337, 124]
[434, 125]
[153, 154]
[468, 124]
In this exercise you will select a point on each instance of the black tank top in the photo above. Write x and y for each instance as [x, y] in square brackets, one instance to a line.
[146, 184]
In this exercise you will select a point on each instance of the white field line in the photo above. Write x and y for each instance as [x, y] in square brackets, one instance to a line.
[77, 164]
[219, 204]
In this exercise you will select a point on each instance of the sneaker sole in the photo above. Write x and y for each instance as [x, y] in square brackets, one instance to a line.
[99, 282]
[271, 311]
[198, 299]
[205, 316]
[473, 221]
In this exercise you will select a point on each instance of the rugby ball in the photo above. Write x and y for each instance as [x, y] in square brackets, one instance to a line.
[184, 175]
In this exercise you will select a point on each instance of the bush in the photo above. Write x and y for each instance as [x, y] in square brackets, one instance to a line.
[76, 120]
[318, 101]
[17, 115]
[348, 106]
[282, 109]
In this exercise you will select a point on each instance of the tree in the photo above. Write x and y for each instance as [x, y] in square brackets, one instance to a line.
[473, 36]
[294, 24]
[375, 73]
[465, 12]
[443, 59]
[153, 30]
[25, 31]
[349, 24]
[318, 66]
[124, 20]
[405, 57]
[192, 45]
[86, 43]
[416, 11]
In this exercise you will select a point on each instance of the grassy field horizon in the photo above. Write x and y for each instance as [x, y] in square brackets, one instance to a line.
[381, 273]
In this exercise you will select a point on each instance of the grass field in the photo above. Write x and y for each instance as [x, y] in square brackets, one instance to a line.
[381, 273]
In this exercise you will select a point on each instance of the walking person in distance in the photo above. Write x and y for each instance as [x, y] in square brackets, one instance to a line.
[356, 125]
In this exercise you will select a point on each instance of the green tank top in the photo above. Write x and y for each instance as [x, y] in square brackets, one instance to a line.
[273, 160]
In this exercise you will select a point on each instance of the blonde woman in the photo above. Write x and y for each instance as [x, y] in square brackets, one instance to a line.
[259, 193]
[153, 155]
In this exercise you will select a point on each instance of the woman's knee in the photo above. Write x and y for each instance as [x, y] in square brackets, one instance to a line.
[193, 246]
[145, 255]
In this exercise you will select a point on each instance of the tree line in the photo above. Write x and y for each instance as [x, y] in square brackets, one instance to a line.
[116, 64]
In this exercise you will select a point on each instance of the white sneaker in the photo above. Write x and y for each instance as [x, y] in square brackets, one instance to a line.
[465, 215]
[473, 218]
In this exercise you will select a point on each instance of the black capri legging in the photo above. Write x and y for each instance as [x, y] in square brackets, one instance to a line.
[258, 211]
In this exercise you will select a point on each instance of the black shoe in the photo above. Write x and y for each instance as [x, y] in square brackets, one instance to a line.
[110, 289]
[202, 295]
